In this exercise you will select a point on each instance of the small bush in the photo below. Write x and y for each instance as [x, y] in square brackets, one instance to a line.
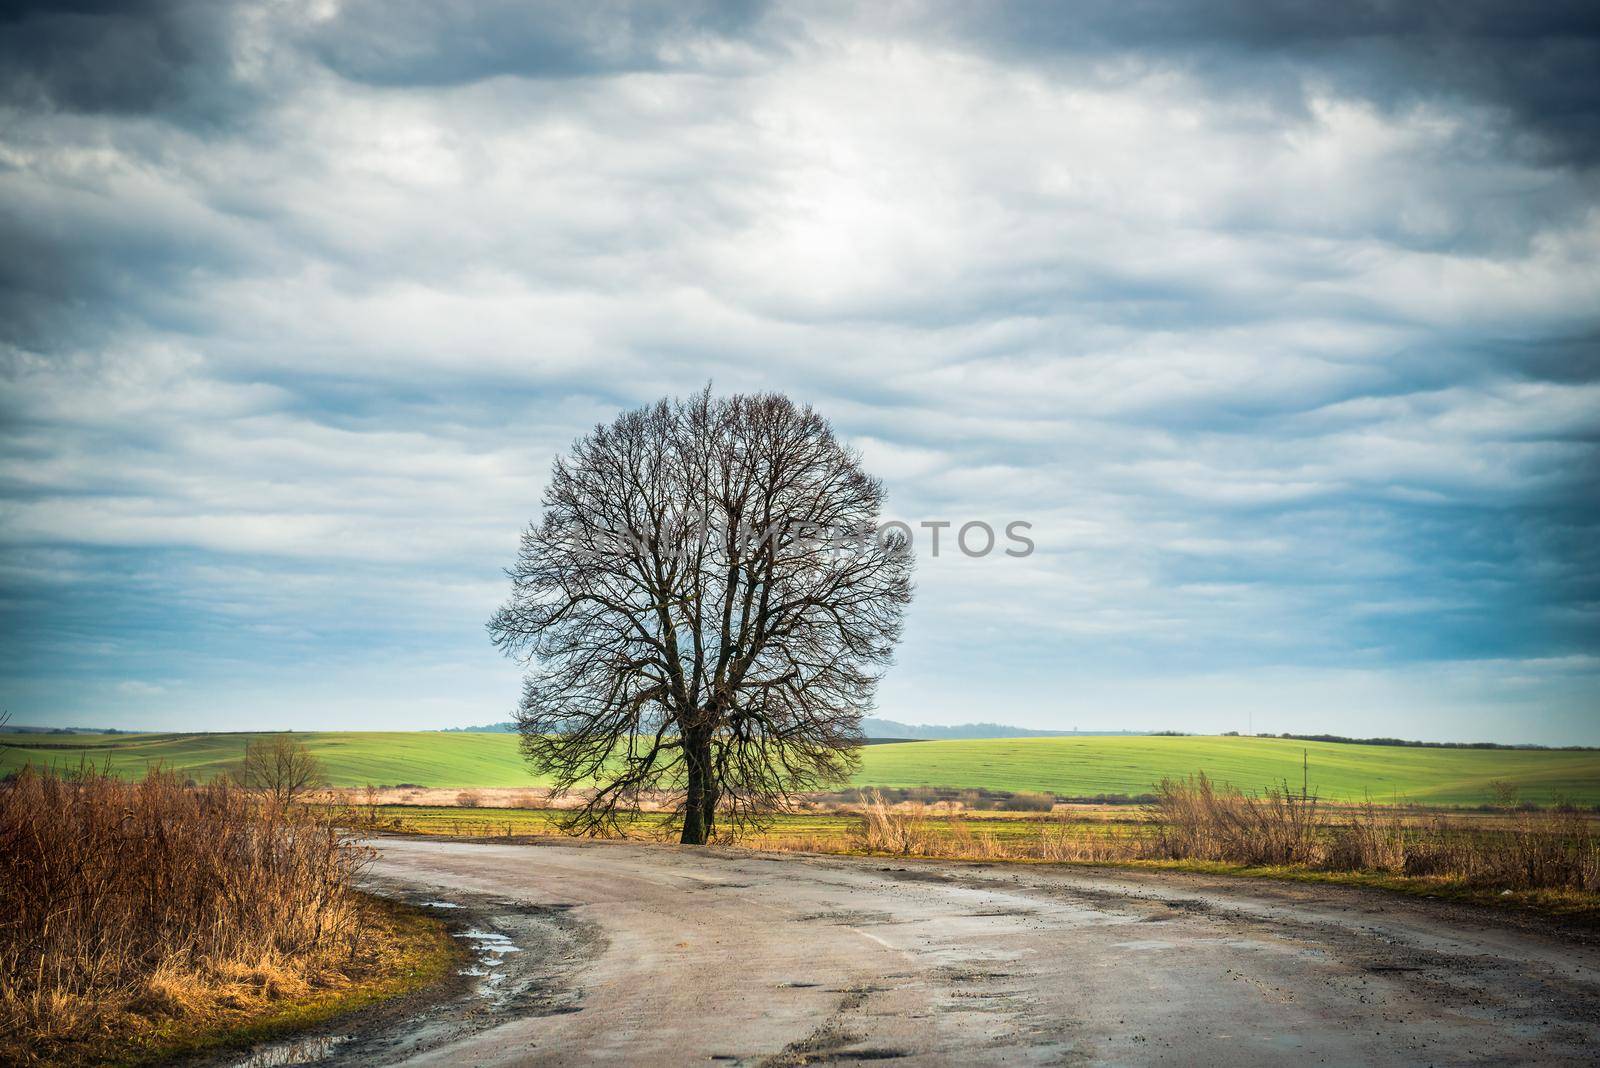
[1028, 802]
[469, 799]
[1505, 792]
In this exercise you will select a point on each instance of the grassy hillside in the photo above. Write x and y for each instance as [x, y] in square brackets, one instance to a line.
[1086, 766]
[1067, 766]
[349, 758]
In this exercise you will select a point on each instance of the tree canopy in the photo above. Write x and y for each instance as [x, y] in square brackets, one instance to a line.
[704, 609]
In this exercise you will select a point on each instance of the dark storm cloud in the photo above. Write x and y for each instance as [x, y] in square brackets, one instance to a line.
[75, 269]
[120, 56]
[420, 43]
[1539, 61]
[1570, 358]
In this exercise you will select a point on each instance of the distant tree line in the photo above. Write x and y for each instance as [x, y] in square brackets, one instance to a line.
[1431, 745]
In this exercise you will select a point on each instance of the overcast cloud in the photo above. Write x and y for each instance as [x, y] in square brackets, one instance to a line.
[1282, 328]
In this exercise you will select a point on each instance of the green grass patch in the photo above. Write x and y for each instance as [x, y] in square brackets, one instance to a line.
[1131, 765]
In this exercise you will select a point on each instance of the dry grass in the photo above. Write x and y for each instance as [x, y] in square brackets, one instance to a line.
[1189, 822]
[912, 830]
[1553, 849]
[1194, 820]
[127, 906]
[886, 830]
[1197, 821]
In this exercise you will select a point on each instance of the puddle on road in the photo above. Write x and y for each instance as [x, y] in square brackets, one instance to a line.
[441, 905]
[491, 942]
[491, 948]
[303, 1051]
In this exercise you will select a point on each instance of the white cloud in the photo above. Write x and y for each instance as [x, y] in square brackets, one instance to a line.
[1260, 376]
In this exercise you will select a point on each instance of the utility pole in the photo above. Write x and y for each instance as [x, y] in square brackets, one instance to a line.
[1305, 773]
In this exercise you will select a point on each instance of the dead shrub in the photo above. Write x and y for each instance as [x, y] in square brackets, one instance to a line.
[1372, 840]
[1063, 839]
[1198, 821]
[1426, 860]
[469, 799]
[883, 830]
[145, 898]
[1554, 849]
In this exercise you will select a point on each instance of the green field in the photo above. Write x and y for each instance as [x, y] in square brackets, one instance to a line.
[1088, 766]
[1064, 766]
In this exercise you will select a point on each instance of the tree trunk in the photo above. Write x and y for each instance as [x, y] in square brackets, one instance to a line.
[708, 803]
[699, 806]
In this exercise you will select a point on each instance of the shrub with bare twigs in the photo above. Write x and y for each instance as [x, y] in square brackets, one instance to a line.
[1201, 821]
[885, 830]
[125, 901]
[280, 767]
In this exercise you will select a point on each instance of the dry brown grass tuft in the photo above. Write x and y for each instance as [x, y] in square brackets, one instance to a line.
[124, 906]
[1198, 821]
[886, 830]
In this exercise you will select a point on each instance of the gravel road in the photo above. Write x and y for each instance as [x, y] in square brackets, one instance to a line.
[637, 954]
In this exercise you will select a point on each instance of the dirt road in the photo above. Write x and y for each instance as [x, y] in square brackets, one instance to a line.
[658, 955]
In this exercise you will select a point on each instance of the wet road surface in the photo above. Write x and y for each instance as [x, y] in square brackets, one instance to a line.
[641, 954]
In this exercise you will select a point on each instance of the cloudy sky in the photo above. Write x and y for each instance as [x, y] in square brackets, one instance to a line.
[1281, 327]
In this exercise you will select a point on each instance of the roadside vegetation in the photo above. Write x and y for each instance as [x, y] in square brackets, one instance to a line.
[1548, 856]
[1515, 854]
[139, 919]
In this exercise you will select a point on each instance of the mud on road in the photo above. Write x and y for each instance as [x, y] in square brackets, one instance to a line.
[638, 954]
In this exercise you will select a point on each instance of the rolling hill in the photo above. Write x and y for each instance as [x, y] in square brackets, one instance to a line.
[1067, 766]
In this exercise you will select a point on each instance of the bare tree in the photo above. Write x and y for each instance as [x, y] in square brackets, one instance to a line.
[279, 766]
[705, 608]
[1505, 792]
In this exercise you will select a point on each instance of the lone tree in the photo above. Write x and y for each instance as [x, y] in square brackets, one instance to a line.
[705, 609]
[279, 767]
